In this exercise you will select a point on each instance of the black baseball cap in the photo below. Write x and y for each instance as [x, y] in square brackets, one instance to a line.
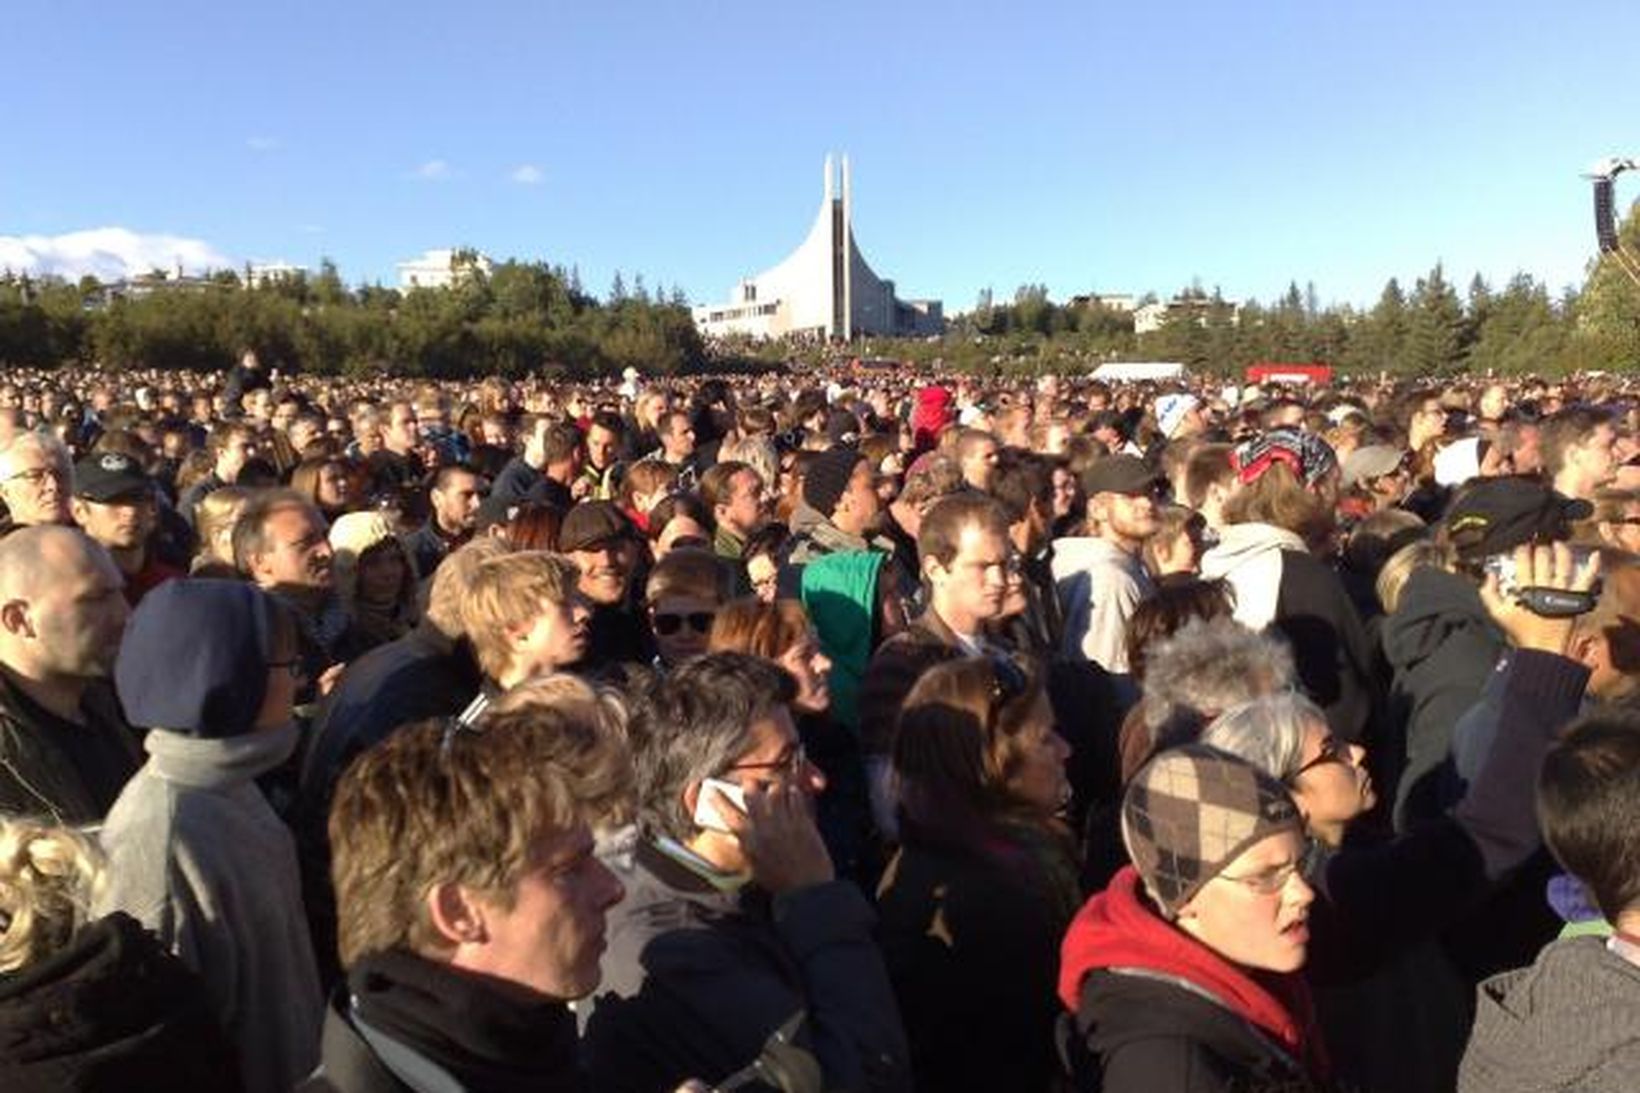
[1496, 515]
[110, 476]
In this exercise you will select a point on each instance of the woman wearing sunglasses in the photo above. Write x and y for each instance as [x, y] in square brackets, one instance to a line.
[973, 905]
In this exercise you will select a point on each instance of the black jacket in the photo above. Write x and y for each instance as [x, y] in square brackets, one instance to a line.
[420, 675]
[66, 772]
[1152, 1034]
[111, 1013]
[1441, 646]
[696, 981]
[971, 938]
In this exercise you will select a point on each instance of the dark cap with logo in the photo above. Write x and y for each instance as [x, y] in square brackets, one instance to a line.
[1496, 515]
[109, 476]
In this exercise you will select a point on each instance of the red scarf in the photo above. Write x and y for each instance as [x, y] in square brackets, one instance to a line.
[1118, 929]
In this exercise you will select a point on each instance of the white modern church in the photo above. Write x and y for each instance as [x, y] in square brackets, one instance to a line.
[824, 288]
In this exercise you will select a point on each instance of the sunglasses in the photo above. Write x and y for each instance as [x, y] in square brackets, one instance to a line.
[668, 624]
[1333, 750]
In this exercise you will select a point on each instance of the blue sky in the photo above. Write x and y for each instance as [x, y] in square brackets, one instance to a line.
[1091, 146]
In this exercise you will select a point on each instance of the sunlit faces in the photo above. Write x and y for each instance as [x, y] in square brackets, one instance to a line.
[809, 665]
[1255, 911]
[556, 637]
[334, 489]
[455, 507]
[1129, 517]
[605, 570]
[298, 553]
[742, 509]
[35, 487]
[1331, 786]
[680, 625]
[776, 757]
[551, 938]
[120, 523]
[1040, 774]
[974, 587]
[76, 618]
[602, 445]
[764, 573]
[382, 573]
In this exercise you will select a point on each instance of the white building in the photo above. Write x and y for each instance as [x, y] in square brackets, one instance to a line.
[441, 268]
[258, 274]
[1153, 316]
[824, 288]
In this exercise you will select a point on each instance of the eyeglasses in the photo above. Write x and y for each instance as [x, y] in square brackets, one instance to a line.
[1333, 750]
[790, 763]
[1266, 883]
[668, 624]
[37, 477]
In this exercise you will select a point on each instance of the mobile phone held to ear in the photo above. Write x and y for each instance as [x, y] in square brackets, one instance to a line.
[706, 810]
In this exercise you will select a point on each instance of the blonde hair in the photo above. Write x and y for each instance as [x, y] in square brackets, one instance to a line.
[448, 589]
[505, 593]
[215, 514]
[1398, 569]
[49, 877]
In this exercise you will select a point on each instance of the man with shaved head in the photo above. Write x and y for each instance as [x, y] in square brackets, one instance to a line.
[65, 749]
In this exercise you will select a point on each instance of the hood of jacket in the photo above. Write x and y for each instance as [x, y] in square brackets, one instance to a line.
[1082, 552]
[1435, 605]
[195, 656]
[840, 595]
[1242, 545]
[1117, 930]
[1570, 1021]
[1249, 557]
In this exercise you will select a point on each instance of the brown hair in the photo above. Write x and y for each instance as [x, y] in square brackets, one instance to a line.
[958, 746]
[766, 630]
[431, 805]
[535, 525]
[1277, 497]
[1166, 611]
[942, 525]
[691, 572]
[646, 476]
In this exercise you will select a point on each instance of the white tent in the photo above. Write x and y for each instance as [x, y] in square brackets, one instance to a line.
[1134, 371]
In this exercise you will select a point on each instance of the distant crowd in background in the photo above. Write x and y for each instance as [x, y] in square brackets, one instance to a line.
[832, 730]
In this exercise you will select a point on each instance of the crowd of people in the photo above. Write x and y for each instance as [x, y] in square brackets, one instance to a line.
[840, 731]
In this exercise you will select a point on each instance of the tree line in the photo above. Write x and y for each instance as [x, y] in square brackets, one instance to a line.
[515, 318]
[523, 317]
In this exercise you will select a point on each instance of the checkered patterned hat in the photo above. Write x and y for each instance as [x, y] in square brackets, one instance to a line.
[1191, 811]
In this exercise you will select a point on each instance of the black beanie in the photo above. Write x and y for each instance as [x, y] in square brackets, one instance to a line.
[827, 479]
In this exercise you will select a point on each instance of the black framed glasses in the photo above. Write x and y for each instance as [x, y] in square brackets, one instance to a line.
[790, 763]
[667, 624]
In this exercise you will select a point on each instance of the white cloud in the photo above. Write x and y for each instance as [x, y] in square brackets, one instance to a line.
[108, 254]
[432, 170]
[528, 174]
[263, 144]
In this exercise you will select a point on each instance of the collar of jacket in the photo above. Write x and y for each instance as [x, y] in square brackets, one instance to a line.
[214, 763]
